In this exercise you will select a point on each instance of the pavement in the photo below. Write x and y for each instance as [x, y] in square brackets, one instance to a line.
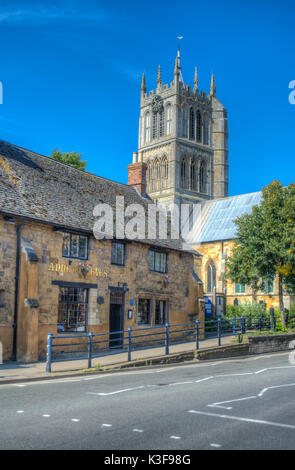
[11, 371]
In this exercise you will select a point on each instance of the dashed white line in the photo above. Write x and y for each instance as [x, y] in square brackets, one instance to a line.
[137, 430]
[215, 445]
[220, 403]
[106, 425]
[114, 393]
[20, 411]
[46, 416]
[175, 437]
[75, 420]
[206, 378]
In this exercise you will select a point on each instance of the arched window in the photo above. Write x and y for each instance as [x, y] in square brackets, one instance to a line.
[211, 277]
[147, 127]
[206, 130]
[184, 122]
[149, 175]
[193, 175]
[191, 123]
[183, 173]
[169, 119]
[157, 174]
[199, 126]
[161, 122]
[155, 126]
[164, 168]
[202, 178]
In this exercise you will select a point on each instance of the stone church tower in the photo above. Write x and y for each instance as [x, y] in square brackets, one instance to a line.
[183, 143]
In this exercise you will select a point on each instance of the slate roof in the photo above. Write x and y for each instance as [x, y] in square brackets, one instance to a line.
[216, 219]
[40, 188]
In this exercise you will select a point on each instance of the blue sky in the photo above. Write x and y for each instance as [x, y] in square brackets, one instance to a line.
[71, 73]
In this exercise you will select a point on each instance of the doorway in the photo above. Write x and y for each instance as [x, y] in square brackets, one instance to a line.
[116, 319]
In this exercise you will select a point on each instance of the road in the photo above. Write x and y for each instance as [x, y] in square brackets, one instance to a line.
[245, 403]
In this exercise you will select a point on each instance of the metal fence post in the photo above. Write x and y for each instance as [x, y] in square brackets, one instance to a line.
[219, 330]
[234, 325]
[49, 352]
[129, 343]
[197, 334]
[274, 322]
[167, 338]
[259, 325]
[90, 349]
[243, 325]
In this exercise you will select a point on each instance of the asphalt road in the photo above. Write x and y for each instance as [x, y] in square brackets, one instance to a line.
[246, 403]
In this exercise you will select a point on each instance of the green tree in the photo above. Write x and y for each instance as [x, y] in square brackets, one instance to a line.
[265, 246]
[70, 158]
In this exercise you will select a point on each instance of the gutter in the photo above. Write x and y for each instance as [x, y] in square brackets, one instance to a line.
[17, 266]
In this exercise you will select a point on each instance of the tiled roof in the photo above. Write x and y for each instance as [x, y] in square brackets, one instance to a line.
[40, 188]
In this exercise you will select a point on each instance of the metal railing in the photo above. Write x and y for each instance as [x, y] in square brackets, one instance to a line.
[155, 336]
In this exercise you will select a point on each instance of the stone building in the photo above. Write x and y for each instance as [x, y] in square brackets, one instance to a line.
[215, 235]
[183, 142]
[56, 277]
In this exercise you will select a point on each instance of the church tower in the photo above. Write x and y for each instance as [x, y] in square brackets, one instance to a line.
[183, 143]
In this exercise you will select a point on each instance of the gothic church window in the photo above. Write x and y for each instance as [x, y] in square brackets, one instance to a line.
[193, 175]
[169, 119]
[147, 127]
[157, 174]
[183, 173]
[155, 126]
[161, 122]
[202, 178]
[149, 178]
[191, 124]
[199, 126]
[206, 131]
[211, 277]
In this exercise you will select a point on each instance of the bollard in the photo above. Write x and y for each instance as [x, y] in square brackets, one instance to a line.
[259, 325]
[129, 343]
[274, 322]
[167, 338]
[49, 352]
[90, 335]
[234, 325]
[243, 322]
[219, 330]
[197, 334]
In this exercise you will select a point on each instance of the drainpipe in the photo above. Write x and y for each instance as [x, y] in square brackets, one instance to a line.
[17, 264]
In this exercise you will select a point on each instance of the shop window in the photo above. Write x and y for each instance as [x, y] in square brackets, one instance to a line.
[144, 312]
[72, 309]
[74, 246]
[211, 277]
[160, 312]
[118, 253]
[158, 261]
[240, 288]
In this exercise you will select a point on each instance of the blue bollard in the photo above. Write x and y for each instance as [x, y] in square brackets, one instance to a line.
[197, 334]
[219, 330]
[167, 338]
[234, 325]
[129, 343]
[90, 335]
[49, 352]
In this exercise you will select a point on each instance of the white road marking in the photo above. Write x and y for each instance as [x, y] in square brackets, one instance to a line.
[19, 385]
[114, 393]
[215, 445]
[137, 430]
[219, 404]
[233, 375]
[247, 420]
[206, 378]
[181, 383]
[175, 437]
[20, 411]
[274, 386]
[46, 416]
[75, 420]
[106, 425]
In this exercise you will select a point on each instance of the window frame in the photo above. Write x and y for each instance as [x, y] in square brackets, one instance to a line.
[152, 256]
[149, 300]
[115, 243]
[70, 304]
[70, 255]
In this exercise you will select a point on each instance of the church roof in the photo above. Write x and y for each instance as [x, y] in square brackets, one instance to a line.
[37, 187]
[215, 222]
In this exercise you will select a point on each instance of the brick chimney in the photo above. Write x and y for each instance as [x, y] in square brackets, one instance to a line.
[137, 173]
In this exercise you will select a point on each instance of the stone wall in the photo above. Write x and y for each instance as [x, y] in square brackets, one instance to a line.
[269, 343]
[39, 280]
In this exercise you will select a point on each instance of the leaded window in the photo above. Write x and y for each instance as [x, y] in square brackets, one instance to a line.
[158, 261]
[155, 126]
[147, 127]
[202, 178]
[240, 288]
[267, 286]
[199, 126]
[144, 312]
[72, 309]
[160, 312]
[118, 253]
[211, 277]
[161, 122]
[183, 173]
[191, 124]
[74, 246]
[193, 174]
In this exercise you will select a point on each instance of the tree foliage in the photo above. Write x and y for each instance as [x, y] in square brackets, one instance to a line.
[265, 246]
[69, 158]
